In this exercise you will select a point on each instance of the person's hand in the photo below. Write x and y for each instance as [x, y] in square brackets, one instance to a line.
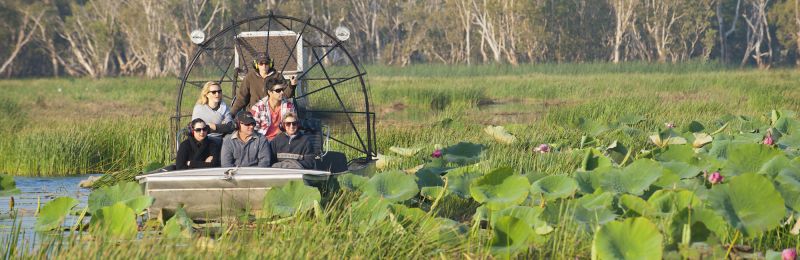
[293, 81]
[209, 159]
[213, 127]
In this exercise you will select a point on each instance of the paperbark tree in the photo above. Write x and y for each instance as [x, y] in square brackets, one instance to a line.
[29, 23]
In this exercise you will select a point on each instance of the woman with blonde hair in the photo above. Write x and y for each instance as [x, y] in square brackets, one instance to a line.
[213, 111]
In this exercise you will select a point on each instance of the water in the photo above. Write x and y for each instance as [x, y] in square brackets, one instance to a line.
[38, 191]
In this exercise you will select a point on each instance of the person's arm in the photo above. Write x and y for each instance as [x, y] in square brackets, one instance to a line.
[289, 92]
[214, 153]
[308, 155]
[226, 155]
[182, 156]
[226, 128]
[264, 154]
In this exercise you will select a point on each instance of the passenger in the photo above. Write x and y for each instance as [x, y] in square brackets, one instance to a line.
[271, 109]
[292, 148]
[256, 83]
[212, 109]
[197, 151]
[245, 147]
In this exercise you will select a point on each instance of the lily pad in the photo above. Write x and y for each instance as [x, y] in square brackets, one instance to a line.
[747, 157]
[178, 226]
[427, 177]
[351, 182]
[594, 209]
[500, 188]
[289, 199]
[499, 134]
[634, 179]
[110, 195]
[594, 159]
[634, 238]
[463, 153]
[8, 186]
[393, 186]
[369, 211]
[694, 127]
[682, 169]
[405, 152]
[554, 187]
[532, 216]
[591, 127]
[788, 184]
[53, 213]
[511, 235]
[636, 205]
[116, 221]
[459, 180]
[675, 153]
[670, 202]
[749, 203]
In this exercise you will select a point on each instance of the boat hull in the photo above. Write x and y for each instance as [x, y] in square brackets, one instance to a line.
[210, 193]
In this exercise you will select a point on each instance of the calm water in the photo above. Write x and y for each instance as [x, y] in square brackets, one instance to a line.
[43, 189]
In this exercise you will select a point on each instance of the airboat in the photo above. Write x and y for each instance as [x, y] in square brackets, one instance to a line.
[332, 101]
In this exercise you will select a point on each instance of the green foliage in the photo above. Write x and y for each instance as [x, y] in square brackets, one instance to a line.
[126, 192]
[394, 186]
[351, 182]
[749, 203]
[7, 185]
[554, 187]
[634, 238]
[117, 221]
[178, 226]
[53, 213]
[290, 199]
[463, 153]
[500, 188]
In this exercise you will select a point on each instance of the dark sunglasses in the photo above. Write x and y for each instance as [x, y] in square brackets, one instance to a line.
[250, 124]
[201, 129]
[278, 90]
[215, 91]
[294, 123]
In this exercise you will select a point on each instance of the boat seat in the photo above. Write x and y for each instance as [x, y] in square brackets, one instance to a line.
[331, 161]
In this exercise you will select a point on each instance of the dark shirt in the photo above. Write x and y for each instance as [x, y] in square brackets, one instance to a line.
[296, 148]
[196, 153]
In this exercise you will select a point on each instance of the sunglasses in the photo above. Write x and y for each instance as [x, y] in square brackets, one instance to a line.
[278, 90]
[201, 130]
[215, 92]
[250, 124]
[293, 123]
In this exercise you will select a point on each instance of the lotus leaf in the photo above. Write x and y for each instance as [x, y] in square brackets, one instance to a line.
[594, 159]
[701, 139]
[531, 216]
[406, 216]
[775, 165]
[682, 169]
[787, 125]
[393, 186]
[427, 177]
[178, 226]
[634, 179]
[351, 182]
[704, 223]
[499, 134]
[676, 153]
[634, 238]
[53, 213]
[139, 204]
[8, 186]
[463, 153]
[594, 209]
[591, 127]
[383, 161]
[511, 235]
[670, 201]
[431, 193]
[368, 211]
[694, 127]
[747, 157]
[554, 187]
[666, 138]
[631, 119]
[589, 182]
[749, 203]
[789, 141]
[459, 180]
[636, 205]
[115, 221]
[500, 188]
[617, 152]
[445, 230]
[405, 152]
[110, 195]
[788, 184]
[289, 199]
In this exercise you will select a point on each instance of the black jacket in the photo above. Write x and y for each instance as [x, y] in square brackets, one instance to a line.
[297, 148]
[196, 152]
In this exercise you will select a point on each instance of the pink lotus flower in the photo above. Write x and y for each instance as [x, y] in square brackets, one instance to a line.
[789, 254]
[715, 178]
[543, 148]
[436, 153]
[768, 139]
[669, 125]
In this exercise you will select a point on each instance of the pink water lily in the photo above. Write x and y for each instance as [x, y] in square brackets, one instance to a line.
[768, 139]
[543, 148]
[789, 254]
[436, 153]
[715, 178]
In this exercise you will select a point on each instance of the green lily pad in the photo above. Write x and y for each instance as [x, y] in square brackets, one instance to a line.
[682, 169]
[591, 127]
[463, 153]
[775, 165]
[594, 209]
[178, 226]
[635, 238]
[635, 205]
[116, 221]
[139, 204]
[511, 236]
[500, 188]
[431, 193]
[634, 179]
[701, 139]
[368, 212]
[617, 152]
[747, 157]
[8, 186]
[499, 134]
[427, 177]
[749, 203]
[594, 159]
[554, 187]
[393, 186]
[459, 180]
[788, 184]
[53, 213]
[351, 182]
[405, 152]
[702, 223]
[670, 201]
[532, 216]
[675, 153]
[694, 127]
[291, 198]
[666, 138]
[110, 195]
